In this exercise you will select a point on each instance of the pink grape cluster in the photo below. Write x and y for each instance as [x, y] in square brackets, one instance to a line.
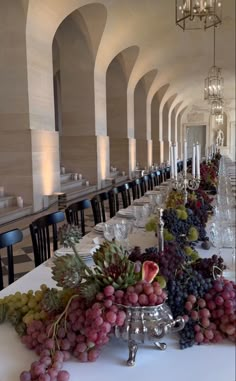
[83, 333]
[222, 304]
[215, 314]
[141, 294]
[47, 368]
[205, 331]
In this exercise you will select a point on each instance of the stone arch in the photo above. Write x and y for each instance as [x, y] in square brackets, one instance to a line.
[78, 38]
[43, 20]
[166, 125]
[117, 78]
[173, 125]
[155, 121]
[141, 131]
[180, 114]
[173, 122]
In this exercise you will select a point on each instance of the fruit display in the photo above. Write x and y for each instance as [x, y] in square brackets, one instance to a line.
[79, 316]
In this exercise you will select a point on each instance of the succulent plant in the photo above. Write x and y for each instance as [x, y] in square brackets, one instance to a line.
[68, 270]
[113, 267]
[69, 235]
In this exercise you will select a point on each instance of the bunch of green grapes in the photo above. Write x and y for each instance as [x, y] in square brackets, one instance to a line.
[151, 225]
[175, 198]
[22, 308]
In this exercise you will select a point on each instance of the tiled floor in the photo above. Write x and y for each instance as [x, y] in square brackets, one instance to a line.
[23, 252]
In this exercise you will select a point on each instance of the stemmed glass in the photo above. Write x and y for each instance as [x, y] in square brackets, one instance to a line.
[122, 231]
[216, 237]
[109, 233]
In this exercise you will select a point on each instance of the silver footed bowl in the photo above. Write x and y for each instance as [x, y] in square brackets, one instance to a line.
[147, 324]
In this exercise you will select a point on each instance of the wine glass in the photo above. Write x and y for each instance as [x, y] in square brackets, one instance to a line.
[121, 231]
[108, 232]
[216, 237]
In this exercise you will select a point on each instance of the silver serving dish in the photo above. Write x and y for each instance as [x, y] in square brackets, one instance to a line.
[147, 324]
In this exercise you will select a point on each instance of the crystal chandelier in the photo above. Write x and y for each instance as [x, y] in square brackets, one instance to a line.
[198, 14]
[217, 107]
[214, 83]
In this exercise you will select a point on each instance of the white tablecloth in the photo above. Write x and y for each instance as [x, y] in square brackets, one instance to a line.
[215, 362]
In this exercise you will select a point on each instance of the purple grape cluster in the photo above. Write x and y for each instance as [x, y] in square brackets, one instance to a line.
[209, 267]
[187, 282]
[169, 261]
[179, 228]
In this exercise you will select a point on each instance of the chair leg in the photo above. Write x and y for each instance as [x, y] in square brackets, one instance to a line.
[10, 265]
[1, 275]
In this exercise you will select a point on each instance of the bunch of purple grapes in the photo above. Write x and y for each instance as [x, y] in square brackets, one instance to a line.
[194, 220]
[209, 267]
[186, 283]
[170, 261]
[212, 317]
[199, 209]
[81, 330]
[179, 228]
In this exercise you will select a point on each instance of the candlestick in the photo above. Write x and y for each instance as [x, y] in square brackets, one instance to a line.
[171, 162]
[193, 160]
[197, 161]
[175, 160]
[185, 156]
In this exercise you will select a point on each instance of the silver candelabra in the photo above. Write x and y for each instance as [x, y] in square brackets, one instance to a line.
[185, 181]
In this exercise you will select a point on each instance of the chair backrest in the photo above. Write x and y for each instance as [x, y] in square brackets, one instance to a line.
[75, 214]
[144, 184]
[167, 173]
[163, 175]
[124, 190]
[98, 206]
[42, 230]
[113, 201]
[7, 240]
[151, 181]
[158, 177]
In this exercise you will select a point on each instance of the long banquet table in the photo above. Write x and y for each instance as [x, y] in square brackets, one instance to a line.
[214, 362]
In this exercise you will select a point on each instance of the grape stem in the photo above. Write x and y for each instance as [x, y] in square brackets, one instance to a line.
[214, 271]
[55, 325]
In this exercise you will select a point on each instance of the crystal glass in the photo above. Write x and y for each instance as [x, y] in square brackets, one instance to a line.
[122, 231]
[108, 232]
[228, 237]
[216, 236]
[138, 213]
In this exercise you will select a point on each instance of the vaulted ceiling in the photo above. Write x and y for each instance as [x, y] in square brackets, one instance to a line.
[182, 58]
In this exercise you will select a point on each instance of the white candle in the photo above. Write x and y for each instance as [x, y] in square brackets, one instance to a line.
[19, 201]
[185, 156]
[171, 162]
[1, 191]
[63, 170]
[175, 160]
[75, 176]
[80, 176]
[87, 183]
[197, 161]
[193, 160]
